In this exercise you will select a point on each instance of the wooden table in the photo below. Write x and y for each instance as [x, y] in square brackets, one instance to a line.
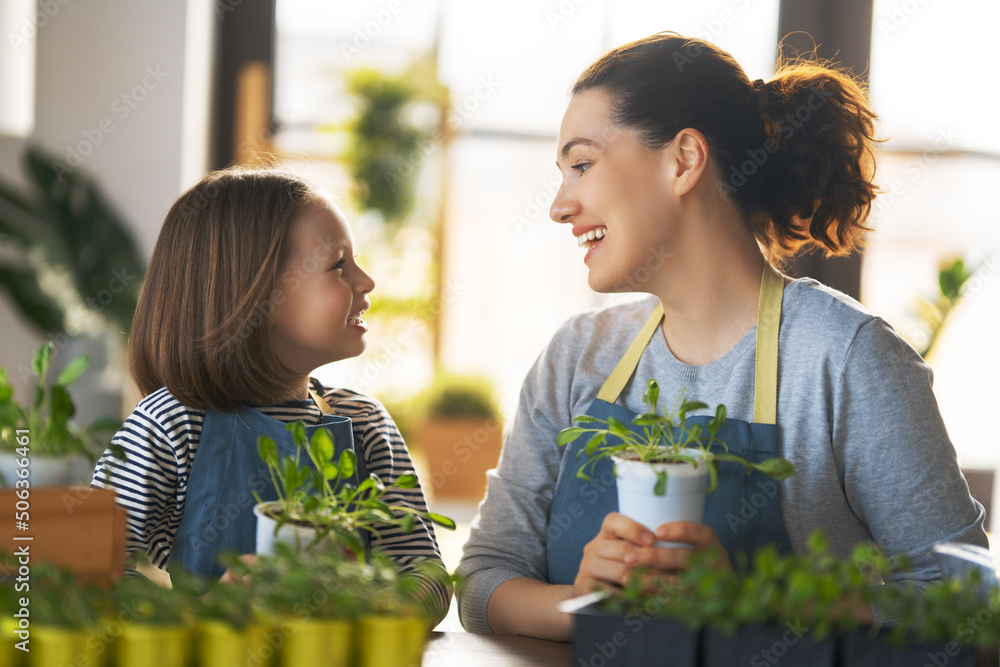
[462, 649]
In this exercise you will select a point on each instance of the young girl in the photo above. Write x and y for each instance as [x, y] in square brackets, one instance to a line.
[679, 176]
[252, 284]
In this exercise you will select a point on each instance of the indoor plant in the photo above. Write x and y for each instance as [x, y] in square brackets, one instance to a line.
[316, 501]
[156, 623]
[790, 608]
[52, 440]
[64, 616]
[665, 465]
[460, 434]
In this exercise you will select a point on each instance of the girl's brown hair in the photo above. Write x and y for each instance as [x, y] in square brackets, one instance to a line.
[795, 154]
[200, 328]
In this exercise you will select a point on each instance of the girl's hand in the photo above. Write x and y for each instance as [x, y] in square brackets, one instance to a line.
[624, 544]
[228, 577]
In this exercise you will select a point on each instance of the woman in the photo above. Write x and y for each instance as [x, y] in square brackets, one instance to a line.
[680, 177]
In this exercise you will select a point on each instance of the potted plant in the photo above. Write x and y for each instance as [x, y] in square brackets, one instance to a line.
[314, 599]
[393, 628]
[793, 608]
[38, 441]
[316, 500]
[460, 434]
[229, 630]
[156, 624]
[665, 466]
[64, 615]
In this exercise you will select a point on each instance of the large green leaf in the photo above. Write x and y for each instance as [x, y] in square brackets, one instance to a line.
[37, 306]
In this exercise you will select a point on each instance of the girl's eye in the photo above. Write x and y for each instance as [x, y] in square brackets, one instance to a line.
[581, 167]
[338, 265]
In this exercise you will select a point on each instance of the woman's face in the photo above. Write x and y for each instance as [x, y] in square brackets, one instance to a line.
[616, 194]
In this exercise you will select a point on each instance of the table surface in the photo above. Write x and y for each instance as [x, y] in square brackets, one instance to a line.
[463, 649]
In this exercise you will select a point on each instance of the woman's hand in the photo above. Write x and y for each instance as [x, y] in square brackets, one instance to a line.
[623, 545]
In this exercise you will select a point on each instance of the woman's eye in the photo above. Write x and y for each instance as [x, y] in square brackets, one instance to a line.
[581, 167]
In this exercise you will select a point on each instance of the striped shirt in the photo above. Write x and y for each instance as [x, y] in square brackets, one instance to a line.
[160, 439]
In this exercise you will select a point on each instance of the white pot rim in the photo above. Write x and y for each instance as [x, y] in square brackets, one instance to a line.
[636, 469]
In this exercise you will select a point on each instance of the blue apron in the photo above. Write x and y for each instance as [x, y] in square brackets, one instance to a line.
[218, 510]
[744, 511]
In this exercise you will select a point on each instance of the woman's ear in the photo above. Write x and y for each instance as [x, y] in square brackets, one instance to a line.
[688, 159]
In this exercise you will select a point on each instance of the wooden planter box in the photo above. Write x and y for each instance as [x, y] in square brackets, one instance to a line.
[458, 454]
[72, 526]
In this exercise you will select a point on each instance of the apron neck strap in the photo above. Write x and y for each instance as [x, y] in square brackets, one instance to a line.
[765, 405]
[321, 403]
[765, 390]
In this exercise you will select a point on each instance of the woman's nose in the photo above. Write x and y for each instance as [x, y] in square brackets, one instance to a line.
[564, 207]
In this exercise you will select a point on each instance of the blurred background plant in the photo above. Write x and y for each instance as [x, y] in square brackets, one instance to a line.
[952, 277]
[69, 262]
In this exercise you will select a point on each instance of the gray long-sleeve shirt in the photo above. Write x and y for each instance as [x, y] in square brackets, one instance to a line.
[856, 415]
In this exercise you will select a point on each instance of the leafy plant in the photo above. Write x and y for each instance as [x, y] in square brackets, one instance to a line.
[68, 248]
[664, 438]
[952, 276]
[47, 417]
[320, 495]
[58, 600]
[457, 396]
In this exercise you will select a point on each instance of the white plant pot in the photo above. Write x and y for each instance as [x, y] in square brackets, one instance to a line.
[683, 501]
[42, 470]
[296, 537]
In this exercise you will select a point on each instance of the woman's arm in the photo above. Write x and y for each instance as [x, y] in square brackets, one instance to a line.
[523, 606]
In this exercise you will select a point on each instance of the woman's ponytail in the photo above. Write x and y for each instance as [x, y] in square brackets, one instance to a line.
[820, 190]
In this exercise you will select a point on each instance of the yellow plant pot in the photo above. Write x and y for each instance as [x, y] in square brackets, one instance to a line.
[10, 656]
[153, 646]
[391, 640]
[54, 647]
[221, 644]
[327, 642]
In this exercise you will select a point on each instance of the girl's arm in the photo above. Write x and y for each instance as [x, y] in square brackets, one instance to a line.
[147, 483]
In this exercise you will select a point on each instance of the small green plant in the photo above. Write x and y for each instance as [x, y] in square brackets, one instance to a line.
[321, 496]
[952, 276]
[58, 600]
[460, 396]
[47, 418]
[819, 591]
[665, 438]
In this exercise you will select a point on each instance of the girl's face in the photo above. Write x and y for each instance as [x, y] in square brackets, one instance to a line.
[320, 293]
[615, 193]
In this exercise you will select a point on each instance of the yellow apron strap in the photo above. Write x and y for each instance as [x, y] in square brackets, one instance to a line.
[765, 393]
[321, 403]
[626, 366]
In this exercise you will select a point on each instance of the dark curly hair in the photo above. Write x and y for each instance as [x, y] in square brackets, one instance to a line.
[795, 154]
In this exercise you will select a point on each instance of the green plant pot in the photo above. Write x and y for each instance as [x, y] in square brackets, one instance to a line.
[54, 646]
[153, 646]
[328, 642]
[391, 640]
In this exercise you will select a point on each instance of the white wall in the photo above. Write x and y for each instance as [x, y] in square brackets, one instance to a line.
[121, 92]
